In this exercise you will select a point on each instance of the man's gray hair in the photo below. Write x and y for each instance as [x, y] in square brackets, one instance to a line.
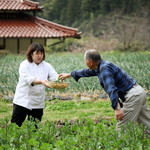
[93, 55]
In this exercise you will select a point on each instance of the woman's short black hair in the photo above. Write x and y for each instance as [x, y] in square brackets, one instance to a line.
[32, 48]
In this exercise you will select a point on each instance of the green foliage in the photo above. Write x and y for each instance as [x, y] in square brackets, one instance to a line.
[62, 45]
[69, 11]
[70, 105]
[4, 107]
[68, 133]
[82, 134]
[126, 21]
[78, 109]
[9, 73]
[135, 64]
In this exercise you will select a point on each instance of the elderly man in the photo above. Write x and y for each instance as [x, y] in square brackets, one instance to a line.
[127, 97]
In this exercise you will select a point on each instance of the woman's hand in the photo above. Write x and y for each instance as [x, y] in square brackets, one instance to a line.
[46, 83]
[63, 76]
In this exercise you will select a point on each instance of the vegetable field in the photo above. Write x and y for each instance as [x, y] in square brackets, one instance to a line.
[81, 135]
[136, 64]
[75, 124]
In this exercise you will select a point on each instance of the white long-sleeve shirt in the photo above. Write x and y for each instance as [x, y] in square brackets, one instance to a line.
[26, 95]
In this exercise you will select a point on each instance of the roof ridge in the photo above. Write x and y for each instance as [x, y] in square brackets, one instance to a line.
[19, 5]
[42, 26]
[56, 25]
[30, 3]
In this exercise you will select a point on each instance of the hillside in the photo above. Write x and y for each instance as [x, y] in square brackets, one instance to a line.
[123, 25]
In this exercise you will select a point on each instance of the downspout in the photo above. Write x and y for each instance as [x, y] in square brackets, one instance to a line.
[18, 45]
[4, 42]
[45, 41]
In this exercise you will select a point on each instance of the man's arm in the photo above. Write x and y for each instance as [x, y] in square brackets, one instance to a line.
[108, 81]
[119, 114]
[78, 74]
[63, 76]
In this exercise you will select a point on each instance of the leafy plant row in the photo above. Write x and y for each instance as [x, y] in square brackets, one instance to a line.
[81, 135]
[135, 64]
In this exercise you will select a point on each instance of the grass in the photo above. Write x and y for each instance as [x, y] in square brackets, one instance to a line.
[77, 109]
[5, 109]
[61, 110]
[57, 110]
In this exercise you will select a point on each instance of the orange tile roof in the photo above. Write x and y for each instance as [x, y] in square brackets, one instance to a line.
[27, 26]
[19, 5]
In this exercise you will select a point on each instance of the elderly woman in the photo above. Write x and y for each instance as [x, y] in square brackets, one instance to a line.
[34, 74]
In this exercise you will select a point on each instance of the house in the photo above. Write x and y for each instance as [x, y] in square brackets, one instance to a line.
[19, 26]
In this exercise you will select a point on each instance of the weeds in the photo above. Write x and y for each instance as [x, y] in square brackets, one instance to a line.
[136, 64]
[82, 134]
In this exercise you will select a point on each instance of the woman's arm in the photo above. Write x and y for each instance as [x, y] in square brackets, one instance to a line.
[44, 82]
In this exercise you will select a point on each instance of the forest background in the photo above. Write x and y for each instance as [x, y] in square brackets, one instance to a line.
[105, 24]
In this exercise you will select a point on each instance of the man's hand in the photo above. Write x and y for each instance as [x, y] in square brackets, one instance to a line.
[119, 114]
[63, 76]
